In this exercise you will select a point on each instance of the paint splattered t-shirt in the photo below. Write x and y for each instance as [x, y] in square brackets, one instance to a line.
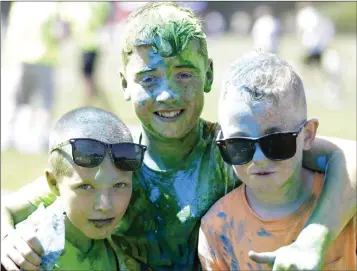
[160, 228]
[101, 256]
[231, 229]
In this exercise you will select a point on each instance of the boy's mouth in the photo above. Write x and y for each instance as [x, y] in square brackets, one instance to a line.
[169, 114]
[263, 173]
[99, 223]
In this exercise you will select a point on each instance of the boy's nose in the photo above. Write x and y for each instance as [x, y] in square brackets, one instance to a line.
[259, 157]
[103, 201]
[167, 95]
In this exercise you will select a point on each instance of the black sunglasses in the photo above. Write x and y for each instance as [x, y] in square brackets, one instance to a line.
[275, 146]
[88, 152]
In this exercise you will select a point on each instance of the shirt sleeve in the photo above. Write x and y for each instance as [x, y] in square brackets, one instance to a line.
[208, 250]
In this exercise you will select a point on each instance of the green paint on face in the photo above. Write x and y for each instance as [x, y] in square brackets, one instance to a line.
[160, 86]
[166, 71]
[168, 97]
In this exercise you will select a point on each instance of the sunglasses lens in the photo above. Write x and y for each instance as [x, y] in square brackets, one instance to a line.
[88, 153]
[237, 151]
[279, 146]
[127, 156]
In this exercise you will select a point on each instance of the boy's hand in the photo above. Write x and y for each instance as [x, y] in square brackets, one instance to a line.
[306, 253]
[21, 252]
[291, 257]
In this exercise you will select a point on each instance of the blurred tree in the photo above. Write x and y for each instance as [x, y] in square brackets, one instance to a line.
[342, 14]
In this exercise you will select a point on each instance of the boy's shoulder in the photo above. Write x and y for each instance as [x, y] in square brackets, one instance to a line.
[209, 127]
[223, 208]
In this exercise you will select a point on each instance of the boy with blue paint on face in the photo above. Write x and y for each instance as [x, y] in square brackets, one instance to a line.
[165, 73]
[265, 130]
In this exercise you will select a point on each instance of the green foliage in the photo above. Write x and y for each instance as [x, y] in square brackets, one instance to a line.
[343, 14]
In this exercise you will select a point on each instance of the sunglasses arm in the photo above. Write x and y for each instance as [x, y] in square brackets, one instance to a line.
[60, 145]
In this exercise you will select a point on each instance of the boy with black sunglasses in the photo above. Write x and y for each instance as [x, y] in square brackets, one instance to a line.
[91, 160]
[264, 132]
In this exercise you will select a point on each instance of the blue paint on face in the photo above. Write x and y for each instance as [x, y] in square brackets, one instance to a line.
[222, 215]
[250, 266]
[158, 84]
[321, 162]
[263, 232]
[229, 251]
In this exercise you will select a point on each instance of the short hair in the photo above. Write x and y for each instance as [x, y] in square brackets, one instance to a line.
[168, 35]
[264, 76]
[87, 122]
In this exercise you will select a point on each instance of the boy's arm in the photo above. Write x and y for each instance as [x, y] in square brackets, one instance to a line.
[16, 207]
[337, 205]
[208, 252]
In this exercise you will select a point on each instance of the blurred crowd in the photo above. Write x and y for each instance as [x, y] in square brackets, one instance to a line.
[32, 32]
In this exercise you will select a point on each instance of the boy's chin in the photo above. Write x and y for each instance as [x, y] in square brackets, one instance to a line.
[100, 234]
[171, 132]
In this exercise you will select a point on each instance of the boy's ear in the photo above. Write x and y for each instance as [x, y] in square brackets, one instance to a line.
[124, 86]
[310, 133]
[52, 182]
[209, 76]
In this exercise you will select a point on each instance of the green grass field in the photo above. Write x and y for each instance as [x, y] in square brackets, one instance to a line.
[18, 169]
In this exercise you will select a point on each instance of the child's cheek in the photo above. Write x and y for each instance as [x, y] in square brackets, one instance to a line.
[143, 98]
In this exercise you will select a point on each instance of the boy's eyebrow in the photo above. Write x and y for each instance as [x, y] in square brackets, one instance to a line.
[146, 69]
[185, 66]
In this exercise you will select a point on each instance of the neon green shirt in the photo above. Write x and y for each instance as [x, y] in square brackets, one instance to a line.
[160, 227]
[60, 252]
[100, 257]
